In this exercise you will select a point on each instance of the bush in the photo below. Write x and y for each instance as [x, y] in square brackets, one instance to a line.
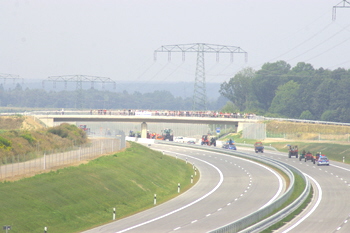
[5, 144]
[29, 138]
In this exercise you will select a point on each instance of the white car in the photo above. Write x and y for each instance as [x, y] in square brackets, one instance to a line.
[322, 160]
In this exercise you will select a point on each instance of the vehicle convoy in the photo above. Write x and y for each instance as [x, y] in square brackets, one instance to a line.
[258, 147]
[293, 151]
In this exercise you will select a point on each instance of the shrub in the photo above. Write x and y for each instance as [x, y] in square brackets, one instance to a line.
[29, 138]
[5, 144]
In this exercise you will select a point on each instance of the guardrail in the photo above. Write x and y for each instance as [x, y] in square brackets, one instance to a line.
[259, 220]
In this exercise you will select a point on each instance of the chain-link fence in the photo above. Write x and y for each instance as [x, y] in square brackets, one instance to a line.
[254, 131]
[16, 167]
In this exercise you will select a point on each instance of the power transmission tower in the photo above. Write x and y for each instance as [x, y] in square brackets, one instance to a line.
[79, 79]
[342, 4]
[199, 94]
[13, 77]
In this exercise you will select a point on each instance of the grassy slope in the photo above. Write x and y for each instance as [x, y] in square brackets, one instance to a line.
[333, 150]
[77, 198]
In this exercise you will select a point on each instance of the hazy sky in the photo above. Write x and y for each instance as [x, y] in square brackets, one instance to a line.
[116, 39]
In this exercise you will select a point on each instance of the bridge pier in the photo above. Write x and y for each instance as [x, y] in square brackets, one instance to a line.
[144, 130]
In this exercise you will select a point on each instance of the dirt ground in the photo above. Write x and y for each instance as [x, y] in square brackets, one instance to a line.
[30, 123]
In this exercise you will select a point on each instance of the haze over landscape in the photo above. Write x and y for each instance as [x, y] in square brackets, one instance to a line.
[117, 39]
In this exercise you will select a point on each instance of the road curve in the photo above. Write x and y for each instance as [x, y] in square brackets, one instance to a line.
[229, 188]
[330, 209]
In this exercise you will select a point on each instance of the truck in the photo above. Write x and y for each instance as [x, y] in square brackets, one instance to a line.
[258, 147]
[293, 151]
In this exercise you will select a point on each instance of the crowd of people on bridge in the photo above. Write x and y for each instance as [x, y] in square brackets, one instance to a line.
[131, 112]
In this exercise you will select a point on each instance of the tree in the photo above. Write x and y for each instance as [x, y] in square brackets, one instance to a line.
[286, 101]
[307, 115]
[303, 68]
[267, 80]
[229, 108]
[239, 88]
[329, 115]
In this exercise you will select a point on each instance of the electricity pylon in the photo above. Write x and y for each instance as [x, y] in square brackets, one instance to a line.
[13, 77]
[199, 94]
[79, 79]
[345, 4]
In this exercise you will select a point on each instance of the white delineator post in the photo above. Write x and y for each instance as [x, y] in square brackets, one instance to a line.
[155, 199]
[191, 179]
[113, 213]
[178, 188]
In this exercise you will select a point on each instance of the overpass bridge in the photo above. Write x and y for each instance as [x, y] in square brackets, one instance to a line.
[52, 120]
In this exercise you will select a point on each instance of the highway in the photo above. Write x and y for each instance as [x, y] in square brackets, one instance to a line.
[229, 188]
[330, 210]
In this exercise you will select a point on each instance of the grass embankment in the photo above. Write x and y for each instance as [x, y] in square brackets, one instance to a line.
[333, 150]
[77, 198]
[21, 139]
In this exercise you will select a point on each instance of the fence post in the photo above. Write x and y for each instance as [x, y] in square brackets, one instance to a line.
[44, 161]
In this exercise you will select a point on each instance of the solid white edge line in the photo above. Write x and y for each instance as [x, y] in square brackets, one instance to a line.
[313, 208]
[341, 168]
[184, 207]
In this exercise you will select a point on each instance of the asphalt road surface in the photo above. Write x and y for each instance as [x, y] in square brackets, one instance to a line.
[330, 209]
[229, 189]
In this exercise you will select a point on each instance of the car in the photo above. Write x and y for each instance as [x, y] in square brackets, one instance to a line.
[191, 142]
[322, 160]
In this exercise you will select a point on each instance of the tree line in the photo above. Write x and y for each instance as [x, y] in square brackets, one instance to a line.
[275, 90]
[279, 90]
[97, 99]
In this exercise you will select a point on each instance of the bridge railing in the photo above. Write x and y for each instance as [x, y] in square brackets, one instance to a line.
[154, 113]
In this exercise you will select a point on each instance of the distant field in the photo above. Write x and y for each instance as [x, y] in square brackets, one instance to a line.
[331, 140]
[77, 198]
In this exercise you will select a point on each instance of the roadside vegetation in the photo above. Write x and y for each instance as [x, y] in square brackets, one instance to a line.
[20, 138]
[331, 140]
[292, 215]
[78, 198]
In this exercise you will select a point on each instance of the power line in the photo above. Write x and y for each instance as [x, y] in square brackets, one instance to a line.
[12, 77]
[79, 80]
[199, 94]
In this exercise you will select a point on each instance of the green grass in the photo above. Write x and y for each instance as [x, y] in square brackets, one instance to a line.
[78, 198]
[333, 151]
[291, 216]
